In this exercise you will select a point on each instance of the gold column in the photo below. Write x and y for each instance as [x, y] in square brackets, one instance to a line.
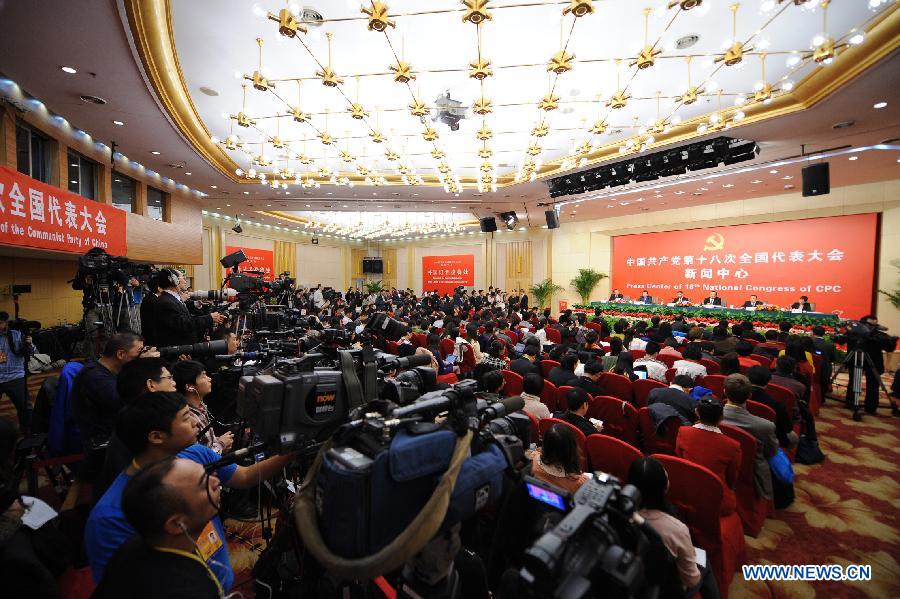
[216, 253]
[285, 257]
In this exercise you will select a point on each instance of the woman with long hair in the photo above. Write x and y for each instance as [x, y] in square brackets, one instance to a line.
[558, 462]
[625, 365]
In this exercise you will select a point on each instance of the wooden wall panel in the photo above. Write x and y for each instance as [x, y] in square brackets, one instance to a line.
[389, 276]
[519, 266]
[52, 299]
[178, 241]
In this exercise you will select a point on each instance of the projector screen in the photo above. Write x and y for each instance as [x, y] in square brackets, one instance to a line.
[831, 260]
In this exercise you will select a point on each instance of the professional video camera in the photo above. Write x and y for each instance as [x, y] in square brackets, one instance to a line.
[599, 548]
[197, 351]
[857, 332]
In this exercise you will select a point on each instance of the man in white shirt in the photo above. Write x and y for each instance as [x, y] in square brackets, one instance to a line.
[656, 370]
[317, 298]
[532, 387]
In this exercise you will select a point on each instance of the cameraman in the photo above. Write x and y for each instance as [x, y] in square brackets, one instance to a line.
[869, 339]
[174, 324]
[13, 350]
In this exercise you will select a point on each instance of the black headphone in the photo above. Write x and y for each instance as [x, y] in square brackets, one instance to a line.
[171, 276]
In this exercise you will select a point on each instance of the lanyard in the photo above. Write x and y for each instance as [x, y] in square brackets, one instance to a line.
[197, 559]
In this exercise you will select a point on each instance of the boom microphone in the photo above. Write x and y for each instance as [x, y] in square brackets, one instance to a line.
[407, 362]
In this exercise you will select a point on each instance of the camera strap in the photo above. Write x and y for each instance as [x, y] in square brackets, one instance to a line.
[403, 548]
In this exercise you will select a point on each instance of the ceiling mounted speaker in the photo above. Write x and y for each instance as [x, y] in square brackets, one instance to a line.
[488, 224]
[816, 180]
[552, 219]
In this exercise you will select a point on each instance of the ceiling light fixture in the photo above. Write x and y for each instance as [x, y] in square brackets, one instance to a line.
[118, 123]
[69, 70]
[155, 152]
[879, 105]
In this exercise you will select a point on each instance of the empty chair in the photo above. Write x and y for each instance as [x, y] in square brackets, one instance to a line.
[697, 493]
[715, 383]
[547, 366]
[642, 388]
[786, 398]
[620, 418]
[658, 442]
[752, 509]
[668, 360]
[611, 455]
[535, 428]
[548, 396]
[617, 385]
[553, 335]
[512, 383]
[391, 347]
[712, 367]
[761, 410]
[419, 339]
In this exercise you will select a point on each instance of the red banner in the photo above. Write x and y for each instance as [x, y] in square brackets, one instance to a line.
[830, 260]
[258, 260]
[446, 273]
[34, 214]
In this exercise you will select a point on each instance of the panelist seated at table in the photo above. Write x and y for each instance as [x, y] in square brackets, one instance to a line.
[803, 304]
[644, 298]
[754, 302]
[680, 299]
[615, 296]
[713, 299]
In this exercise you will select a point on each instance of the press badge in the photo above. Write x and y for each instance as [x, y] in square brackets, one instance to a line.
[209, 541]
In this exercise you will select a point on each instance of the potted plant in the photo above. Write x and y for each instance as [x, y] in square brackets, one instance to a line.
[585, 283]
[374, 287]
[543, 291]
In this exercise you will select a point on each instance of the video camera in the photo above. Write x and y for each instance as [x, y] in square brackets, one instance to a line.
[98, 267]
[601, 547]
[197, 351]
[856, 333]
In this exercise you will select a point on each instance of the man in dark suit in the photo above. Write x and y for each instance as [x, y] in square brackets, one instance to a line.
[645, 297]
[827, 351]
[753, 302]
[565, 372]
[523, 301]
[738, 390]
[676, 396]
[615, 295]
[713, 299]
[578, 402]
[174, 324]
[588, 380]
[148, 314]
[527, 364]
[680, 299]
[803, 304]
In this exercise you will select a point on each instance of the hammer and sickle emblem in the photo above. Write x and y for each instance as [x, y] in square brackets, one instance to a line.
[714, 242]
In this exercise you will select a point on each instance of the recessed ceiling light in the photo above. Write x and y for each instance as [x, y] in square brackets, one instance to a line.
[787, 177]
[69, 70]
[854, 158]
[214, 187]
[117, 180]
[154, 152]
[268, 205]
[879, 105]
[756, 181]
[380, 206]
[415, 194]
[346, 206]
[789, 186]
[727, 185]
[773, 171]
[229, 205]
[330, 193]
[75, 182]
[118, 123]
[73, 164]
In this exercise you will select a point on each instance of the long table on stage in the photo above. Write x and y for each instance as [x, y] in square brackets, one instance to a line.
[733, 315]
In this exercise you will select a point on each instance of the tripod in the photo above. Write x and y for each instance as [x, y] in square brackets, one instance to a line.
[859, 360]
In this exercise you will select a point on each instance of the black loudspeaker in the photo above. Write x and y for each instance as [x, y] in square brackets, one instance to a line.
[816, 181]
[552, 219]
[488, 224]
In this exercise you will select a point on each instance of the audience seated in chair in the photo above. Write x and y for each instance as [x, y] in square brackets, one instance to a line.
[557, 462]
[578, 402]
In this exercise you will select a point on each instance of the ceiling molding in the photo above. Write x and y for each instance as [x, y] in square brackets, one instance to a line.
[150, 22]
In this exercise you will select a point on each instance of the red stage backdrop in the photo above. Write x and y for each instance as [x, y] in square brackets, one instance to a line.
[831, 260]
[261, 260]
[34, 214]
[445, 273]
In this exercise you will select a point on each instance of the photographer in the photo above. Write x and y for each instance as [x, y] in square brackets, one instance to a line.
[174, 324]
[869, 338]
[13, 351]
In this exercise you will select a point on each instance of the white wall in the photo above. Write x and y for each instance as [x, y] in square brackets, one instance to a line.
[403, 269]
[249, 241]
[320, 264]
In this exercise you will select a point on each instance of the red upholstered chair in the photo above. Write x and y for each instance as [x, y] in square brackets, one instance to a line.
[391, 347]
[419, 339]
[668, 360]
[637, 354]
[620, 418]
[785, 397]
[697, 493]
[447, 347]
[670, 374]
[548, 396]
[513, 383]
[535, 429]
[761, 410]
[553, 335]
[715, 383]
[712, 367]
[642, 388]
[593, 326]
[449, 378]
[751, 508]
[580, 439]
[561, 403]
[547, 366]
[658, 443]
[608, 454]
[617, 385]
[468, 361]
[761, 360]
